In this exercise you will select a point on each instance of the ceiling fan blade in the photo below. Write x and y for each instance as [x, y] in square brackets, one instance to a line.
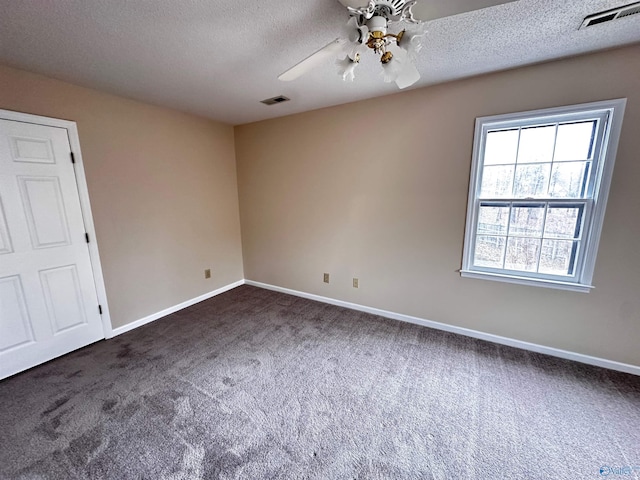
[408, 76]
[332, 49]
[354, 3]
[426, 10]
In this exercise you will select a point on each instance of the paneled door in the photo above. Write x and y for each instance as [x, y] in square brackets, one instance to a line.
[48, 299]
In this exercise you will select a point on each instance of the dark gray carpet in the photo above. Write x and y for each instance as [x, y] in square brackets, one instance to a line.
[255, 384]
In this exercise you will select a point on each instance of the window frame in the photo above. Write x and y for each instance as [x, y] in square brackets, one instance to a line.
[609, 115]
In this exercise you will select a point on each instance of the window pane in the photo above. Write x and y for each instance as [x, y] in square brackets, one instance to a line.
[563, 222]
[493, 220]
[531, 180]
[574, 141]
[501, 147]
[522, 254]
[536, 144]
[569, 180]
[557, 257]
[489, 251]
[527, 221]
[497, 181]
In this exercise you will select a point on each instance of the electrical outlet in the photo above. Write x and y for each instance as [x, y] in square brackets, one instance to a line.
[207, 273]
[326, 278]
[355, 283]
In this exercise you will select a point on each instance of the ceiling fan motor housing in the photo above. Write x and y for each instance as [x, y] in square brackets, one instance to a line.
[390, 8]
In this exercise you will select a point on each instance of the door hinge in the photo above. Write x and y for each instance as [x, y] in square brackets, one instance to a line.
[100, 309]
[73, 158]
[86, 237]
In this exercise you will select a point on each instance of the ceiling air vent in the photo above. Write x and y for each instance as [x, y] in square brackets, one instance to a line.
[275, 100]
[609, 15]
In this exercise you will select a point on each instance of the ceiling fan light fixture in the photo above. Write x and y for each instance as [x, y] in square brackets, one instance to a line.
[392, 69]
[347, 67]
[400, 70]
[412, 40]
[376, 18]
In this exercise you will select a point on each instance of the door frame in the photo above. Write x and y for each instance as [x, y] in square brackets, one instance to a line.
[85, 204]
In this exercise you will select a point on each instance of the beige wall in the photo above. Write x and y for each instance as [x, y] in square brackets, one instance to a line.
[315, 198]
[378, 190]
[163, 191]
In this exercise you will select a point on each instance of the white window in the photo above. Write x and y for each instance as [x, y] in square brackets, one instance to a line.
[537, 196]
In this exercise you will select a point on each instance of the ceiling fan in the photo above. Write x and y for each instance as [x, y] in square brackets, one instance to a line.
[368, 30]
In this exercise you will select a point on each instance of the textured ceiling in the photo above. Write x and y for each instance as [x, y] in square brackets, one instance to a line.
[219, 58]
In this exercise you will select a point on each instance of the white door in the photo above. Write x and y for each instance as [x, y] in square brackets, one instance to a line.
[48, 300]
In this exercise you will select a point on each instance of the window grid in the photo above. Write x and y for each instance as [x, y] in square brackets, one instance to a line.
[576, 239]
[587, 161]
[515, 169]
[544, 229]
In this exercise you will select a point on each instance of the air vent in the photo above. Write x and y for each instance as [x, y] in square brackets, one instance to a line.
[275, 100]
[609, 15]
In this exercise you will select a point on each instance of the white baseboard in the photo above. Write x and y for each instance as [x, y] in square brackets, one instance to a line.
[555, 352]
[168, 311]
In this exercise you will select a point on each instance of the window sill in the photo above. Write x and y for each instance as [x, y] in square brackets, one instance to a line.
[534, 282]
